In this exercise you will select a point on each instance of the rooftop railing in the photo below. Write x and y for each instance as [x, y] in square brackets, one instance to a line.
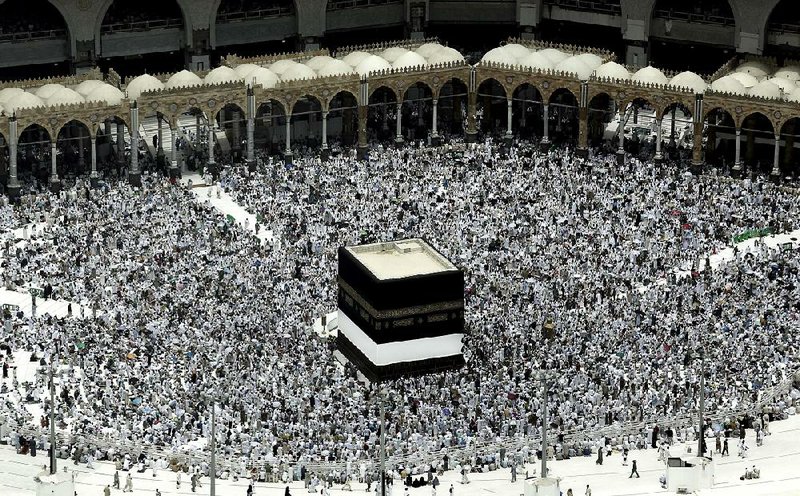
[119, 27]
[587, 6]
[249, 15]
[24, 36]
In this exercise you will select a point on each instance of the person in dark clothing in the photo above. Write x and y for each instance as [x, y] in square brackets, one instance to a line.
[446, 460]
[599, 460]
[634, 470]
[725, 448]
[655, 437]
[287, 493]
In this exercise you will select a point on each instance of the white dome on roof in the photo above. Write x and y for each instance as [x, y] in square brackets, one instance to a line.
[612, 70]
[747, 80]
[445, 55]
[105, 93]
[576, 66]
[335, 68]
[500, 55]
[141, 84]
[517, 51]
[282, 66]
[372, 63]
[536, 60]
[410, 59]
[65, 96]
[553, 55]
[784, 84]
[766, 89]
[245, 69]
[754, 68]
[355, 58]
[298, 71]
[88, 86]
[729, 84]
[222, 74]
[651, 75]
[46, 91]
[183, 79]
[428, 49]
[689, 80]
[590, 59]
[790, 72]
[264, 77]
[8, 93]
[794, 96]
[393, 53]
[21, 101]
[317, 63]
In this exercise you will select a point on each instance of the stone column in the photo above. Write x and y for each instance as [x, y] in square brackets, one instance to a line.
[472, 109]
[435, 140]
[211, 159]
[160, 150]
[237, 133]
[546, 124]
[583, 132]
[659, 158]
[134, 174]
[173, 162]
[120, 142]
[197, 131]
[94, 176]
[399, 118]
[287, 153]
[362, 131]
[621, 137]
[697, 148]
[81, 152]
[251, 127]
[737, 164]
[55, 183]
[13, 181]
[509, 127]
[107, 130]
[775, 174]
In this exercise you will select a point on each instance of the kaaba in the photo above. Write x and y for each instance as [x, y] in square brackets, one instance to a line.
[401, 309]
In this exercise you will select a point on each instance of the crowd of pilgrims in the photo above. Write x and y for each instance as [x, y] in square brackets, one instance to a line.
[188, 309]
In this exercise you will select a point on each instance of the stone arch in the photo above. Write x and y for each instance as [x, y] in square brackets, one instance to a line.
[449, 81]
[720, 130]
[492, 103]
[563, 122]
[527, 110]
[383, 107]
[32, 135]
[417, 109]
[330, 100]
[343, 117]
[306, 119]
[506, 89]
[72, 140]
[394, 91]
[758, 130]
[600, 112]
[790, 135]
[270, 123]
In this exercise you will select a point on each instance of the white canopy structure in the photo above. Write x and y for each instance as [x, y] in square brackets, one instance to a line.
[445, 55]
[688, 79]
[747, 80]
[86, 87]
[553, 55]
[794, 96]
[46, 91]
[65, 96]
[282, 66]
[792, 73]
[766, 89]
[612, 70]
[517, 51]
[7, 94]
[410, 59]
[222, 74]
[393, 53]
[298, 71]
[500, 55]
[106, 93]
[729, 84]
[183, 79]
[373, 63]
[244, 70]
[650, 75]
[590, 59]
[264, 77]
[428, 49]
[22, 100]
[784, 84]
[317, 63]
[355, 58]
[335, 68]
[754, 68]
[142, 84]
[576, 66]
[536, 60]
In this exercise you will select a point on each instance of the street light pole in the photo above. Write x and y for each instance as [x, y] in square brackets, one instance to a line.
[701, 437]
[52, 419]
